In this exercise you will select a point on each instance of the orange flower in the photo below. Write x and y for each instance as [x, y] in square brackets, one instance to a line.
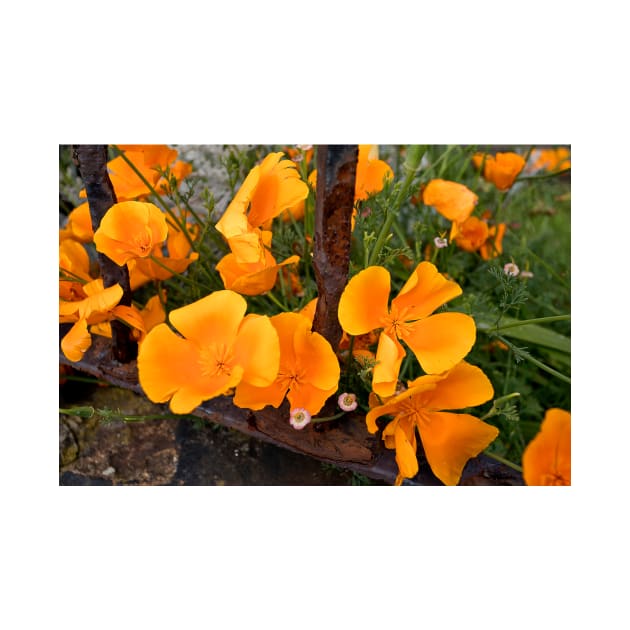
[74, 260]
[308, 373]
[449, 439]
[160, 267]
[271, 187]
[130, 229]
[452, 200]
[149, 159]
[471, 234]
[475, 234]
[96, 304]
[371, 172]
[79, 225]
[500, 170]
[438, 341]
[547, 458]
[251, 278]
[217, 348]
[552, 159]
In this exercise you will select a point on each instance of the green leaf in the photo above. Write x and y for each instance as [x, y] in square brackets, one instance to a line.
[531, 333]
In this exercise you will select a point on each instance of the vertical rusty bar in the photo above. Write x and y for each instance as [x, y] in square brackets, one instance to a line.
[336, 174]
[91, 161]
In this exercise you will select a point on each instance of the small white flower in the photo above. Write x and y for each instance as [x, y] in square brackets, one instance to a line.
[527, 274]
[440, 243]
[511, 269]
[347, 402]
[299, 418]
[304, 147]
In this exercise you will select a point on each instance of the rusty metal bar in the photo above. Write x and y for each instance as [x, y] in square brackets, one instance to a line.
[91, 162]
[334, 201]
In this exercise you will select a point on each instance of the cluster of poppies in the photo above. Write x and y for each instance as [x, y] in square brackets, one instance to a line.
[213, 346]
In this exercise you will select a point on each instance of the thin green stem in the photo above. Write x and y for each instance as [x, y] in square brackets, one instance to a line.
[535, 320]
[277, 302]
[507, 462]
[411, 167]
[530, 178]
[536, 362]
[195, 284]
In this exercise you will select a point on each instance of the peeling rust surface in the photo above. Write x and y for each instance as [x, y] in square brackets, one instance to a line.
[336, 167]
[91, 162]
[345, 443]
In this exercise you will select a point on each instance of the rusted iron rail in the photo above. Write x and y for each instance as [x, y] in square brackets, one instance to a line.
[345, 443]
[91, 162]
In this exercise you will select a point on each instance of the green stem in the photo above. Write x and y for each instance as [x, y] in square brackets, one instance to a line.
[328, 418]
[411, 165]
[504, 461]
[196, 285]
[536, 362]
[530, 178]
[535, 320]
[277, 302]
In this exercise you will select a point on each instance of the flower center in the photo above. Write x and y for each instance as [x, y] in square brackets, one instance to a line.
[143, 243]
[394, 323]
[216, 360]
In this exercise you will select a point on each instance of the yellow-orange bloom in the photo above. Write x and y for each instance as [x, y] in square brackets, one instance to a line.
[74, 260]
[251, 278]
[552, 159]
[161, 267]
[130, 229]
[308, 373]
[449, 439]
[452, 200]
[438, 341]
[216, 348]
[371, 172]
[501, 169]
[79, 225]
[149, 160]
[475, 234]
[547, 458]
[97, 306]
[271, 187]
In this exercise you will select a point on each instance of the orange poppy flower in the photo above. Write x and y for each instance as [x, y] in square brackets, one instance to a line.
[130, 229]
[475, 234]
[79, 225]
[74, 260]
[547, 458]
[471, 234]
[551, 159]
[371, 172]
[149, 159]
[271, 187]
[501, 169]
[308, 373]
[216, 348]
[161, 267]
[251, 278]
[449, 439]
[438, 341]
[97, 306]
[452, 200]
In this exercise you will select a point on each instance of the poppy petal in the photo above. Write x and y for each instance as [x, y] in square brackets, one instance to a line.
[405, 453]
[389, 356]
[464, 386]
[547, 458]
[257, 350]
[450, 440]
[441, 341]
[363, 302]
[451, 199]
[76, 341]
[214, 319]
[425, 290]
